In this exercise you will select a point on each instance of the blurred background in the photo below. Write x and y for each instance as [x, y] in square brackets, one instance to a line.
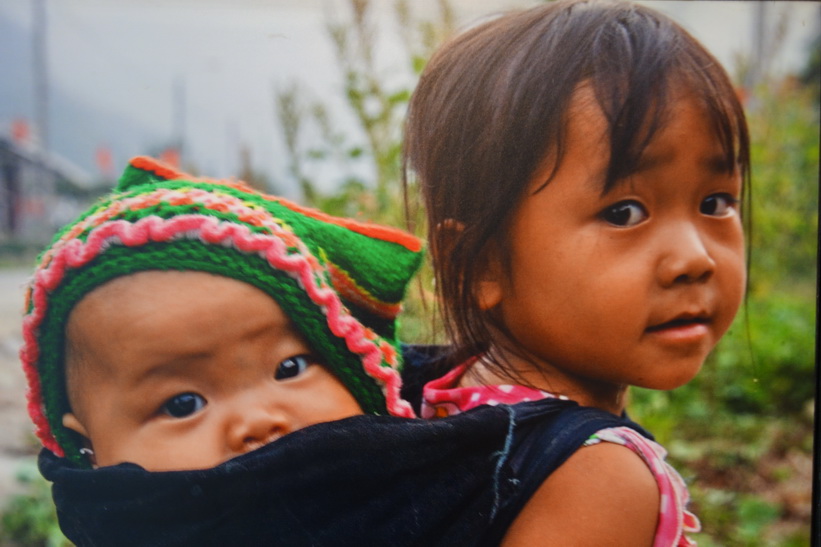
[306, 99]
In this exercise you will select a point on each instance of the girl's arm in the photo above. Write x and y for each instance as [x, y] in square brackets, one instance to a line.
[603, 494]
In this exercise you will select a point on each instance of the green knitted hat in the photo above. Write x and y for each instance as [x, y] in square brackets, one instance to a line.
[340, 281]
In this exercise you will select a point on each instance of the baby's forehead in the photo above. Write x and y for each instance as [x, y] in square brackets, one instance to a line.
[147, 286]
[144, 307]
[156, 321]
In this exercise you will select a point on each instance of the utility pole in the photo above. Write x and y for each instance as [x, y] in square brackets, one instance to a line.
[180, 108]
[233, 149]
[40, 66]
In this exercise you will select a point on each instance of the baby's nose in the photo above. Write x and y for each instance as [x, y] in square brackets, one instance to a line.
[251, 428]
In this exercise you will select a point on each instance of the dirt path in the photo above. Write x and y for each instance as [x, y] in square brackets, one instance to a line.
[16, 440]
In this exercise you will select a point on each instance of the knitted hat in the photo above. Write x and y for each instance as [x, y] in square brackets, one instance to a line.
[339, 281]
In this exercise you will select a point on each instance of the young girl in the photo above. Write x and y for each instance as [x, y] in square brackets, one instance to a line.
[582, 164]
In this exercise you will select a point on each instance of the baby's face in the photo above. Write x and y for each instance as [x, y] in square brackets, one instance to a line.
[185, 370]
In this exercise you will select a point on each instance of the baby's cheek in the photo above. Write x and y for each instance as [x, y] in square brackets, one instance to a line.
[342, 405]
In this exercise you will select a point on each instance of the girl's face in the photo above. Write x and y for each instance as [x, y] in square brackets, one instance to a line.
[633, 287]
[185, 370]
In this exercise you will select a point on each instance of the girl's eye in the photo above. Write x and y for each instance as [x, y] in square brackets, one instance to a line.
[718, 205]
[292, 367]
[624, 213]
[182, 405]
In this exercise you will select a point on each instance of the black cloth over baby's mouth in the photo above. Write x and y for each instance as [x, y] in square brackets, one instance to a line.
[365, 480]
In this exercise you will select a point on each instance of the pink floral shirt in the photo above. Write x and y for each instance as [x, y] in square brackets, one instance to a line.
[442, 398]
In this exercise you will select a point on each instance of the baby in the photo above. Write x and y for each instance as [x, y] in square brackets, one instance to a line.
[183, 321]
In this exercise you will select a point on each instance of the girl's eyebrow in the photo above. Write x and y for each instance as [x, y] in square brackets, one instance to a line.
[717, 163]
[647, 162]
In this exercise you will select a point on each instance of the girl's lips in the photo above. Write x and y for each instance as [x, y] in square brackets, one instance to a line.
[681, 330]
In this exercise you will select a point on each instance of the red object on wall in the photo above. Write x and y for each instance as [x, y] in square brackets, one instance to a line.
[105, 161]
[20, 130]
[170, 156]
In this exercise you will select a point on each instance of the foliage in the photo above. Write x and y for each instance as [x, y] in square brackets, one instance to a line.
[30, 519]
[785, 188]
[811, 74]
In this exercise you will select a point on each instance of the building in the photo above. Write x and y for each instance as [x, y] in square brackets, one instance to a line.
[39, 192]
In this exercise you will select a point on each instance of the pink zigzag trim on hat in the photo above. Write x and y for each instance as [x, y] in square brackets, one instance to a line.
[75, 253]
[216, 201]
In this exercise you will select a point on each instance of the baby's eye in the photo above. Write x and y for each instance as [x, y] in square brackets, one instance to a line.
[624, 213]
[718, 205]
[292, 367]
[182, 405]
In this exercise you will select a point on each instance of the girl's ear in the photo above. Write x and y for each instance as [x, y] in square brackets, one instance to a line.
[488, 285]
[489, 280]
[489, 276]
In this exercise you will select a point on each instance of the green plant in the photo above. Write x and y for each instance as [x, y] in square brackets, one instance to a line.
[30, 519]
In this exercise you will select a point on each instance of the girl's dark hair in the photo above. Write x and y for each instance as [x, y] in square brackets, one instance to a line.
[492, 103]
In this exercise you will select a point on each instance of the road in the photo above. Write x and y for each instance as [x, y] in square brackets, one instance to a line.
[17, 442]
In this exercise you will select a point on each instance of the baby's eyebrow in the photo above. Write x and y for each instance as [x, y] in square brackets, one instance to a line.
[168, 365]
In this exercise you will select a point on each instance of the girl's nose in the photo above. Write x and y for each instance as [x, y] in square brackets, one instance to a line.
[686, 257]
[253, 426]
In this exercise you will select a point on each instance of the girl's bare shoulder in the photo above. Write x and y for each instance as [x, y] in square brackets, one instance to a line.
[603, 494]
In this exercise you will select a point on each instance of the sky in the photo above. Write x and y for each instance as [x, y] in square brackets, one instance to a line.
[209, 69]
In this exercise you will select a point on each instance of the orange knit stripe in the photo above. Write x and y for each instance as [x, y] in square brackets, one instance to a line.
[157, 167]
[383, 233]
[348, 289]
[167, 172]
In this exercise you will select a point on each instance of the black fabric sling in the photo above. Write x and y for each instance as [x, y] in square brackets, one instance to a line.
[366, 480]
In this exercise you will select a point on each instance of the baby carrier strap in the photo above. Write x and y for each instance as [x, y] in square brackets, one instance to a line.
[542, 442]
